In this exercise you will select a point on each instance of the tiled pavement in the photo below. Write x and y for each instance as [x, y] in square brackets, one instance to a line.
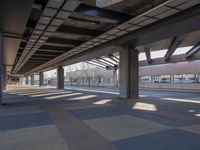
[37, 118]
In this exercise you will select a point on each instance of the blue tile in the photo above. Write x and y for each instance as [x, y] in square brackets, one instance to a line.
[24, 121]
[165, 140]
[93, 113]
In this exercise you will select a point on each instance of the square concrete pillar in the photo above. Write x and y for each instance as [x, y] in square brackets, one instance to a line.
[26, 80]
[32, 79]
[60, 77]
[115, 77]
[129, 74]
[41, 79]
[1, 70]
[4, 77]
[172, 78]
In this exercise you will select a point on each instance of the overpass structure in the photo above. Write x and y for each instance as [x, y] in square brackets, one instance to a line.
[36, 36]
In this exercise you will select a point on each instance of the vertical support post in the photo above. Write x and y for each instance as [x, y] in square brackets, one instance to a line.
[195, 78]
[4, 77]
[1, 70]
[41, 79]
[32, 79]
[60, 77]
[129, 74]
[26, 80]
[114, 77]
[152, 79]
[172, 78]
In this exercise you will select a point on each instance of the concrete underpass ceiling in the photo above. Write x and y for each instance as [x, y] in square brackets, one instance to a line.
[13, 19]
[10, 46]
[56, 32]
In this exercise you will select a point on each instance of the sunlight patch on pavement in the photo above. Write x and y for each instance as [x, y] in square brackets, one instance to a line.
[145, 106]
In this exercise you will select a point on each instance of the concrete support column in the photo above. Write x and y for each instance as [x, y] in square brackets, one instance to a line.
[195, 78]
[26, 80]
[60, 77]
[114, 77]
[129, 74]
[4, 77]
[1, 70]
[41, 79]
[152, 79]
[172, 78]
[32, 79]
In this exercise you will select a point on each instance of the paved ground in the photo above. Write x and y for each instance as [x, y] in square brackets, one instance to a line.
[37, 118]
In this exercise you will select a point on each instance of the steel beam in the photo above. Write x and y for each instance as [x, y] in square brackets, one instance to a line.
[112, 58]
[107, 61]
[174, 59]
[195, 49]
[95, 64]
[148, 54]
[176, 41]
[99, 62]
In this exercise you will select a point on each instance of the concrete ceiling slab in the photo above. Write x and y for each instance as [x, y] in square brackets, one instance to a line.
[13, 18]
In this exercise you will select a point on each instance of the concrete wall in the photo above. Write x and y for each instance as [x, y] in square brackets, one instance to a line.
[170, 86]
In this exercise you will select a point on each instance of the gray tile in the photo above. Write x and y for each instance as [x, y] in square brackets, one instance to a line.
[192, 128]
[124, 126]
